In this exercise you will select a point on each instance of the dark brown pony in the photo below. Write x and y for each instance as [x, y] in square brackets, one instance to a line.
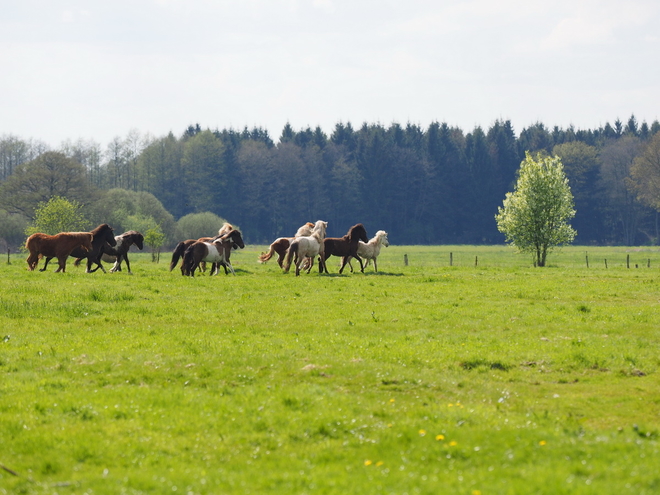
[57, 246]
[100, 235]
[346, 246]
[281, 244]
[216, 252]
[119, 253]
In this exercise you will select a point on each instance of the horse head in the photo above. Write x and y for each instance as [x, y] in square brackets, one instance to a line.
[319, 228]
[236, 238]
[358, 232]
[382, 238]
[138, 239]
[105, 232]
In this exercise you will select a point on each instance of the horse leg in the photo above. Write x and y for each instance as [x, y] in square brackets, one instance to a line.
[375, 265]
[128, 265]
[43, 269]
[62, 263]
[361, 265]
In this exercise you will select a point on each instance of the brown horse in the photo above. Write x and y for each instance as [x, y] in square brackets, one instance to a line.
[118, 253]
[216, 252]
[281, 244]
[57, 246]
[345, 247]
[180, 248]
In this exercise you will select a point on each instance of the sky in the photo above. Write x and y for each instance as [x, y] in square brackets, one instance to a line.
[97, 70]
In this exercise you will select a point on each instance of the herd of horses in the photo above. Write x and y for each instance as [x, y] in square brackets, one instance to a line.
[301, 250]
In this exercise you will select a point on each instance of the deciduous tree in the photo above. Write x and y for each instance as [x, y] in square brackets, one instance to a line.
[534, 217]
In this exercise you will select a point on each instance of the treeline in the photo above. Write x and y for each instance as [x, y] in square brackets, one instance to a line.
[435, 185]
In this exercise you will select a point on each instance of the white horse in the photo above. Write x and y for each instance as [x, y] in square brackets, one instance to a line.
[307, 247]
[370, 250]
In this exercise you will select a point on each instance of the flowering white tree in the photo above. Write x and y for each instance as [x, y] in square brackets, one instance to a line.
[534, 217]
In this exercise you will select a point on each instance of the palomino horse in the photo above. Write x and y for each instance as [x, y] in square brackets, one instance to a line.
[216, 252]
[281, 244]
[307, 246]
[118, 253]
[181, 247]
[346, 246]
[100, 235]
[55, 246]
[371, 249]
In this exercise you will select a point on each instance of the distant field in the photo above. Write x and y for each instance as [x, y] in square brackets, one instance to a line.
[488, 376]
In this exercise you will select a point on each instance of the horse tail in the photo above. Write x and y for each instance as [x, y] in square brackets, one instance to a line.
[177, 253]
[293, 249]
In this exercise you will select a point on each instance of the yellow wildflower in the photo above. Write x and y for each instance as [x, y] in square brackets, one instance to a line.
[439, 437]
[367, 462]
[453, 443]
[422, 433]
[542, 442]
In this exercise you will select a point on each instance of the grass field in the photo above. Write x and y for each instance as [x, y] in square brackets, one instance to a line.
[488, 376]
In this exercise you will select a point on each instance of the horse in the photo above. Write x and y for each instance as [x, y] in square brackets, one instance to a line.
[371, 249]
[100, 235]
[216, 252]
[181, 247]
[281, 244]
[57, 246]
[346, 246]
[118, 253]
[307, 246]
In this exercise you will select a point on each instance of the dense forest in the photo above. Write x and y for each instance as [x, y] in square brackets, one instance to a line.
[435, 185]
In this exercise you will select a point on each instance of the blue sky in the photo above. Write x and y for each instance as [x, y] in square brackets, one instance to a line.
[82, 69]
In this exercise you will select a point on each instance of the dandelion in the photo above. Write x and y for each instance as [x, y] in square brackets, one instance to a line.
[451, 405]
[389, 425]
[422, 433]
[439, 437]
[391, 401]
[368, 462]
[476, 492]
[453, 443]
[379, 463]
[542, 443]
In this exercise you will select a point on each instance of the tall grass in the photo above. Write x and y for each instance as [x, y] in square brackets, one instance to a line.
[421, 378]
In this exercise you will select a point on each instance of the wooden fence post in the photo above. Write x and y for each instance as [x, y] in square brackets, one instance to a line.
[405, 259]
[627, 261]
[451, 259]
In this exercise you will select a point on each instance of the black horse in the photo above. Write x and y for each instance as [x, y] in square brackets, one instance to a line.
[119, 253]
[346, 246]
[100, 235]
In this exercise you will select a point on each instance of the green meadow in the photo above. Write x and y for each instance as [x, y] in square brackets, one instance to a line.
[464, 371]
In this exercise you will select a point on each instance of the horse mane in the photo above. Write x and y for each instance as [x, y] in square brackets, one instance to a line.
[226, 227]
[101, 228]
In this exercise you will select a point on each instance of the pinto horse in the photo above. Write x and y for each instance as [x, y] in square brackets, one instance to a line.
[371, 249]
[345, 247]
[307, 246]
[181, 247]
[100, 235]
[57, 246]
[281, 244]
[118, 253]
[216, 252]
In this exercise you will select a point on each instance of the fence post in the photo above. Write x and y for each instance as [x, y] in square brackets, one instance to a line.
[648, 263]
[405, 259]
[8, 260]
[587, 257]
[605, 263]
[627, 261]
[476, 260]
[451, 259]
